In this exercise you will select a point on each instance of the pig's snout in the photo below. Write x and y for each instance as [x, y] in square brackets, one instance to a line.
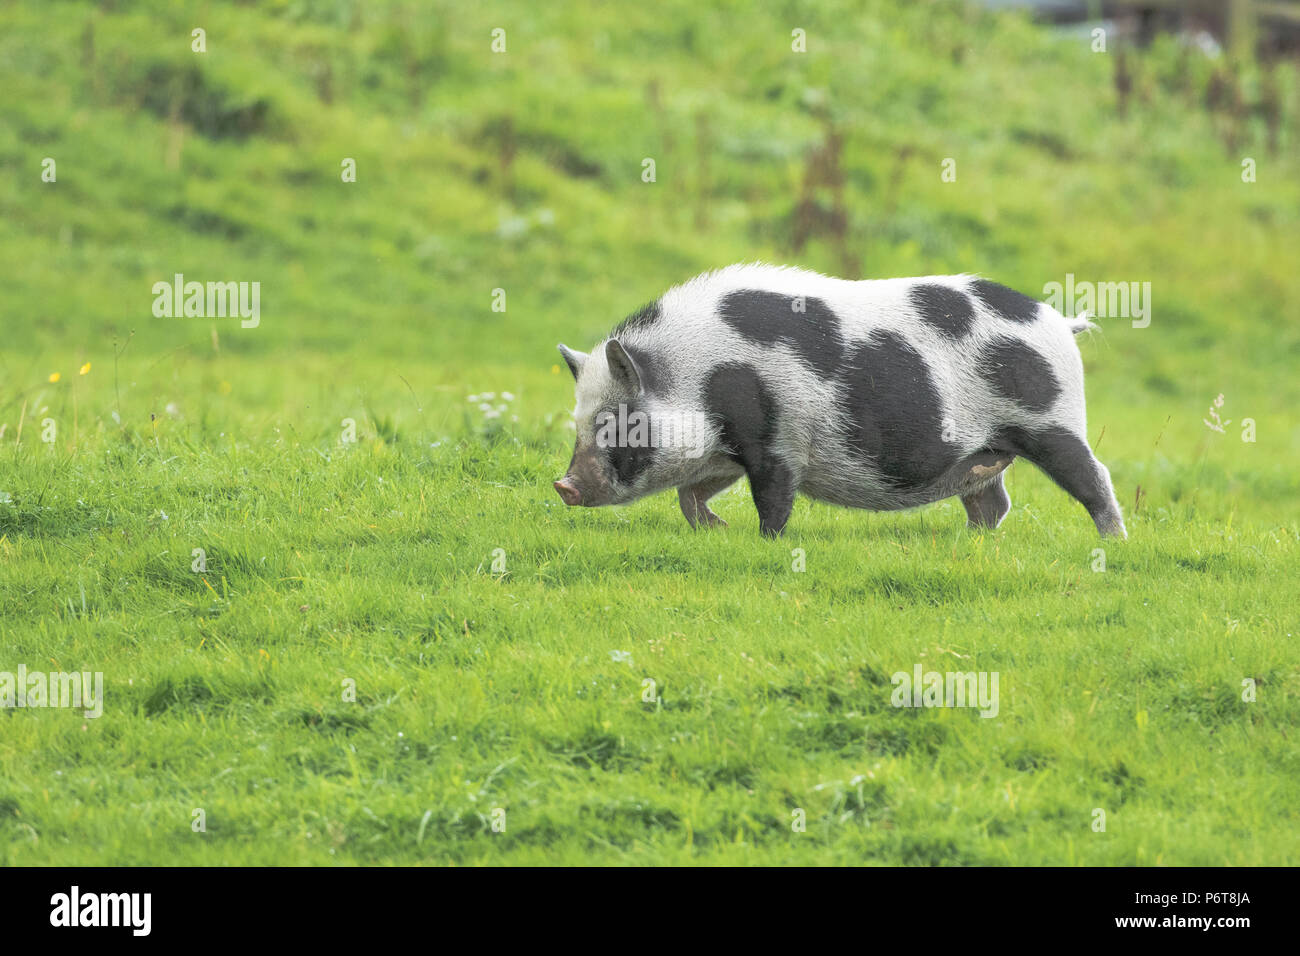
[568, 491]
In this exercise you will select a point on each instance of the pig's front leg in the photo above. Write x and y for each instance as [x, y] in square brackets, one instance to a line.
[694, 501]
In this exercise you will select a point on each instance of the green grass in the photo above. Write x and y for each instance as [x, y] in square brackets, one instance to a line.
[522, 689]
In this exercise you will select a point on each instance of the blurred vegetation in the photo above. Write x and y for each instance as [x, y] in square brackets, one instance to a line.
[522, 170]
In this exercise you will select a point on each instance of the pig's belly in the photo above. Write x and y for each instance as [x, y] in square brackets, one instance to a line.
[856, 484]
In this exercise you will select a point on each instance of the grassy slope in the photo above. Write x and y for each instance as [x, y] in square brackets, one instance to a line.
[373, 562]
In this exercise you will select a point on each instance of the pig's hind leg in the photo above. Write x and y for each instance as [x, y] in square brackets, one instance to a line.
[772, 484]
[694, 501]
[977, 480]
[1068, 461]
[987, 507]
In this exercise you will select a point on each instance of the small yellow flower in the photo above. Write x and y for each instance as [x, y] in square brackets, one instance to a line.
[55, 376]
[85, 368]
[555, 370]
[225, 388]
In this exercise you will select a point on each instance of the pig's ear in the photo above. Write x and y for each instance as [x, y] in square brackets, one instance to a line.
[621, 367]
[575, 360]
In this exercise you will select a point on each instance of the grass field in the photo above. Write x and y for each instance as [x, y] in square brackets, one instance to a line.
[391, 640]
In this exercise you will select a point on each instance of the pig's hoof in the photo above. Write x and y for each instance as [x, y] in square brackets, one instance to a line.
[704, 518]
[1110, 523]
[696, 510]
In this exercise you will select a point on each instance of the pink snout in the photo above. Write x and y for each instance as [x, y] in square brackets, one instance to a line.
[568, 491]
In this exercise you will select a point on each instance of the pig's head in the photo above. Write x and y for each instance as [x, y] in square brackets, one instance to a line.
[614, 461]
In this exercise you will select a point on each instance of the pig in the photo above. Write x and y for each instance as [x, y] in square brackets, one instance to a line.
[882, 394]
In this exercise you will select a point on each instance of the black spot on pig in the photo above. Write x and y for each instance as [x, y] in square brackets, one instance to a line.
[770, 318]
[1019, 373]
[894, 411]
[642, 318]
[746, 413]
[946, 309]
[735, 398]
[629, 460]
[1008, 303]
[651, 368]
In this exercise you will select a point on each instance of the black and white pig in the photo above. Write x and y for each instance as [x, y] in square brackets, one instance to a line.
[881, 394]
